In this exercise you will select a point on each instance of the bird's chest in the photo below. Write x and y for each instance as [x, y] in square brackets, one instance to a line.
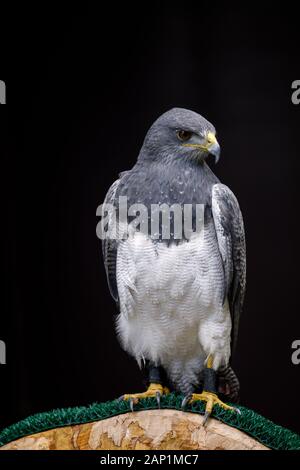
[157, 279]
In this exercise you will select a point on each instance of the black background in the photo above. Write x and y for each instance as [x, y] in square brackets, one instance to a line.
[83, 86]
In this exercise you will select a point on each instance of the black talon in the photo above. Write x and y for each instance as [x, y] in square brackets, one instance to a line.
[131, 403]
[185, 401]
[206, 416]
[158, 395]
[121, 398]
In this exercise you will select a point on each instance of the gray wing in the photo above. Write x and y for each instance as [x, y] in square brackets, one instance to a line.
[110, 248]
[229, 228]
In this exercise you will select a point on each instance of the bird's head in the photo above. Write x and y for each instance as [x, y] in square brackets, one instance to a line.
[180, 133]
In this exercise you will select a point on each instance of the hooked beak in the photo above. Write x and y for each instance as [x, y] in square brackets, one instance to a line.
[211, 146]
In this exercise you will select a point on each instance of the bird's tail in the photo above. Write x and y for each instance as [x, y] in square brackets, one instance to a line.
[229, 384]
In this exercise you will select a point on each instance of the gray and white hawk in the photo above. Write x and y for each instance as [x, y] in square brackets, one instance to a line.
[179, 300]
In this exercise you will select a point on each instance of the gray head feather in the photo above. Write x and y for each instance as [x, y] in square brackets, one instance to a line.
[162, 142]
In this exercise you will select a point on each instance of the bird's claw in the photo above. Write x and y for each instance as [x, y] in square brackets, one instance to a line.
[153, 391]
[158, 395]
[205, 417]
[131, 403]
[211, 400]
[185, 401]
[131, 400]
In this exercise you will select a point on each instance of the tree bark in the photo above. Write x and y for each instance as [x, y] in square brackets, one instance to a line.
[143, 430]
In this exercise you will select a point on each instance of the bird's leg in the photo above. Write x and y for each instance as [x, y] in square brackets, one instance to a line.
[209, 393]
[156, 387]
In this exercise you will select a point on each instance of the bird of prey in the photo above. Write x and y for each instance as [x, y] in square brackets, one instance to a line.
[179, 301]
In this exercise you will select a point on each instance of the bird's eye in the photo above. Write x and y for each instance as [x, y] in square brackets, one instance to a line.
[184, 135]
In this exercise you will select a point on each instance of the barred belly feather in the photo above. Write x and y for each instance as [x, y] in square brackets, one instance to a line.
[171, 304]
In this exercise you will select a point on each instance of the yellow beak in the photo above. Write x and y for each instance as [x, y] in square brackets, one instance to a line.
[211, 145]
[211, 139]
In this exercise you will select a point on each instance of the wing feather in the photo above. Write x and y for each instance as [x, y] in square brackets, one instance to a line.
[110, 247]
[230, 232]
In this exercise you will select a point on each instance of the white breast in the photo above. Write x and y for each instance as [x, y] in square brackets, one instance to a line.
[166, 293]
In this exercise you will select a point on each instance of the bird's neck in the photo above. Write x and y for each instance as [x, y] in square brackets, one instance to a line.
[183, 169]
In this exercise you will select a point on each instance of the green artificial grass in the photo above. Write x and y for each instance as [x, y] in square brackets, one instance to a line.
[266, 432]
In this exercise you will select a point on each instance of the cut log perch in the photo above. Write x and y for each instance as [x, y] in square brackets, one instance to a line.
[142, 430]
[111, 425]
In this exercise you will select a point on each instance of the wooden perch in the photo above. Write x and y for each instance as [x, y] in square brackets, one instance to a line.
[143, 430]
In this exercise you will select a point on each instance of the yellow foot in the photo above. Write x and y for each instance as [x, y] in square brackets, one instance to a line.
[154, 390]
[211, 400]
